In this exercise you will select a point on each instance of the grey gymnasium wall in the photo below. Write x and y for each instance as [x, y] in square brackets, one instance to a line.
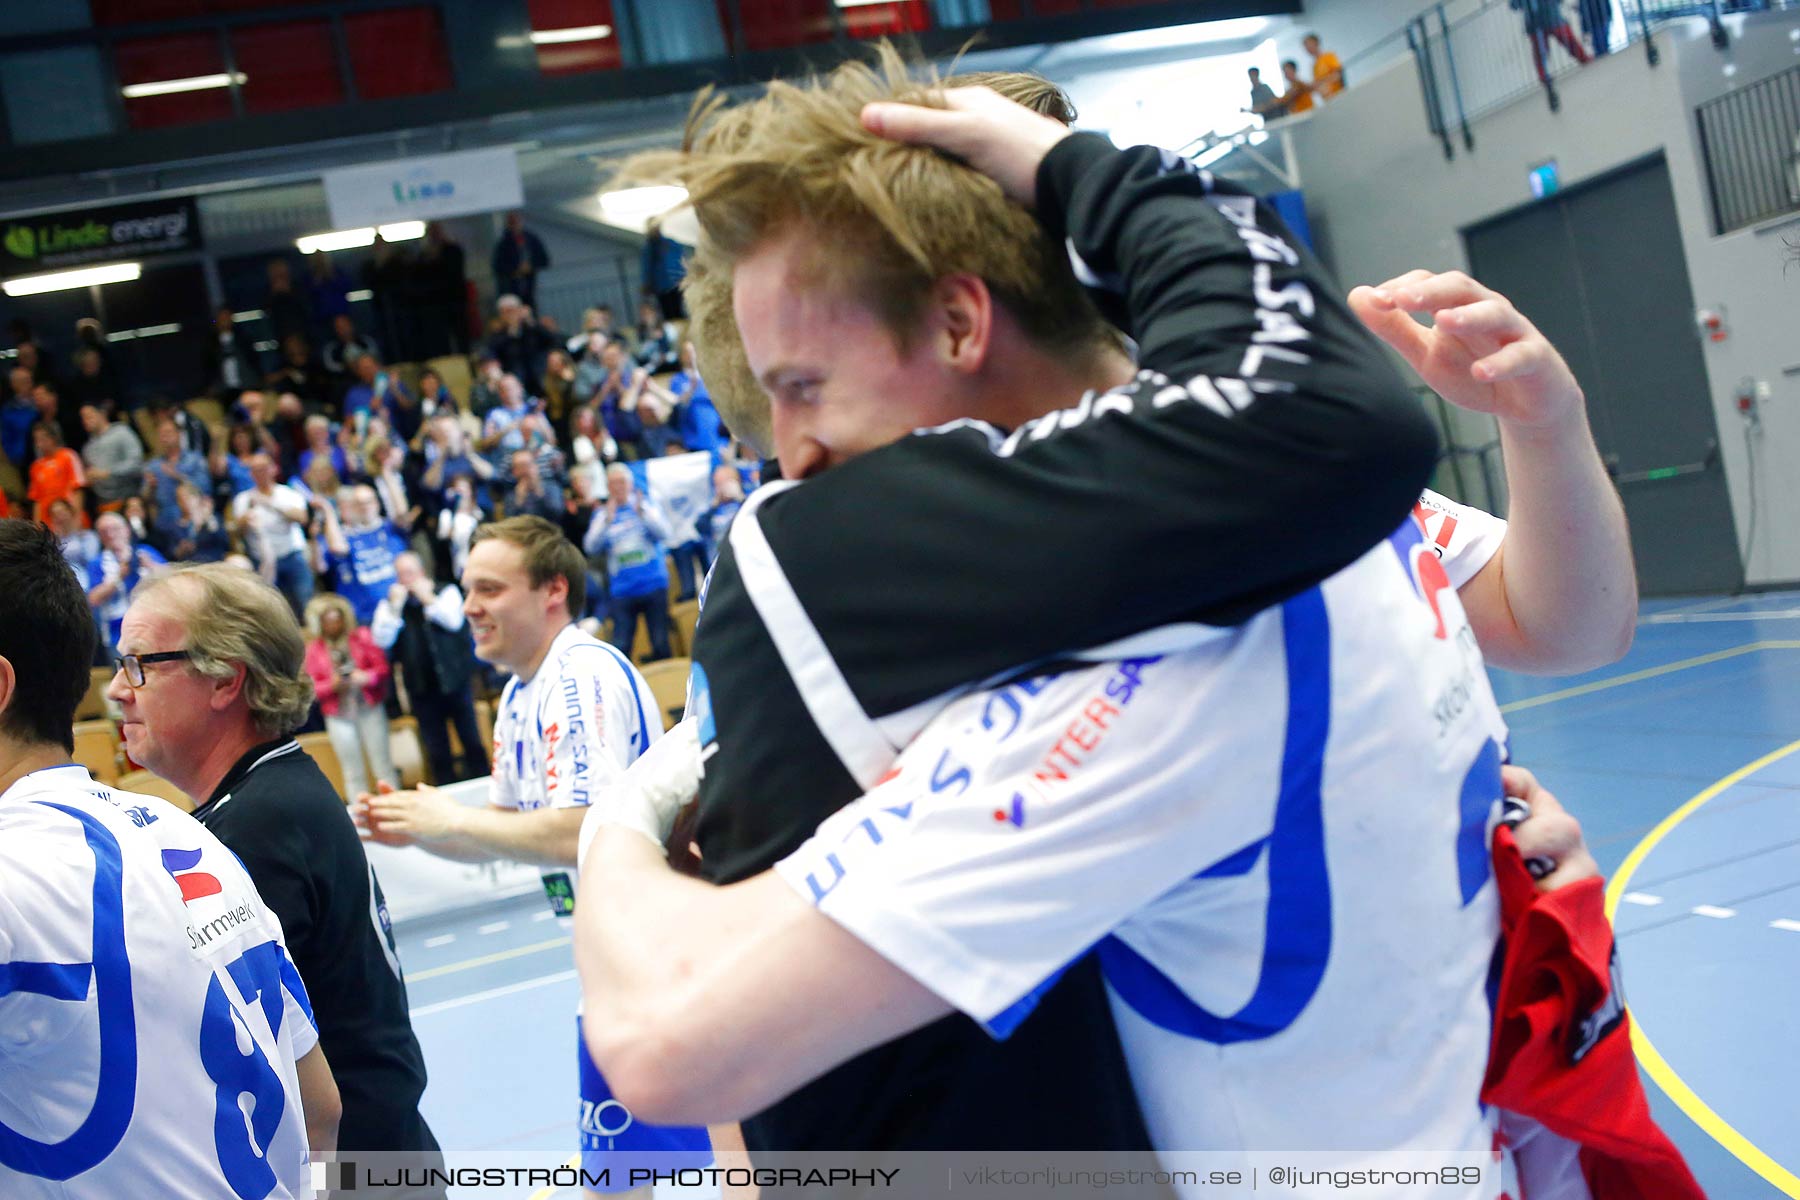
[1383, 200]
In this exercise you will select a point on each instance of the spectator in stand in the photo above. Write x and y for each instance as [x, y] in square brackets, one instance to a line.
[231, 363]
[388, 276]
[201, 537]
[137, 519]
[227, 474]
[434, 394]
[1263, 100]
[31, 352]
[658, 344]
[1327, 71]
[97, 375]
[531, 495]
[426, 638]
[1544, 21]
[695, 421]
[663, 267]
[271, 518]
[440, 284]
[283, 305]
[448, 458]
[1298, 97]
[360, 548]
[173, 466]
[519, 258]
[631, 532]
[321, 482]
[80, 546]
[342, 351]
[283, 430]
[17, 416]
[598, 319]
[55, 474]
[300, 373]
[350, 676]
[457, 523]
[559, 386]
[56, 404]
[518, 343]
[512, 427]
[620, 391]
[320, 444]
[728, 497]
[384, 463]
[113, 455]
[484, 390]
[585, 497]
[328, 288]
[121, 566]
[195, 435]
[589, 452]
[378, 392]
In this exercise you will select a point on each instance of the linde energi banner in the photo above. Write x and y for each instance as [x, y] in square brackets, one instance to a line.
[424, 189]
[50, 241]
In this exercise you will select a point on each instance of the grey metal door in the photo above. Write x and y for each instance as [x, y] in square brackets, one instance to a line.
[1599, 269]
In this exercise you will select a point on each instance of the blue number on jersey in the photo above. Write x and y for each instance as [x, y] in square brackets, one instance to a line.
[223, 1035]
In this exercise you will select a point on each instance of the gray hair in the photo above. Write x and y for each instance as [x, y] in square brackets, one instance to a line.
[233, 618]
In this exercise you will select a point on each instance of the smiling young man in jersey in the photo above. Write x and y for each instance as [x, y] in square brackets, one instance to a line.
[575, 714]
[144, 986]
[1091, 805]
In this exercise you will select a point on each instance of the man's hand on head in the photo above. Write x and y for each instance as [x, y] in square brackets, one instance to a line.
[1003, 140]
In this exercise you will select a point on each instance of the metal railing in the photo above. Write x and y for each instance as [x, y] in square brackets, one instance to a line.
[1750, 144]
[1504, 50]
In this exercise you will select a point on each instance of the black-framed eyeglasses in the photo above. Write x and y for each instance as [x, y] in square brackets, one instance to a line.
[133, 664]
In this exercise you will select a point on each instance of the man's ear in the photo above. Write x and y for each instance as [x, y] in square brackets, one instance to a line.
[9, 686]
[226, 691]
[963, 320]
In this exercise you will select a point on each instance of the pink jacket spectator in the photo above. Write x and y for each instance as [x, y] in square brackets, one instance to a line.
[365, 655]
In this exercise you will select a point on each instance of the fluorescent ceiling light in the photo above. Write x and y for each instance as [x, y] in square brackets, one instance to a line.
[629, 208]
[359, 294]
[579, 33]
[254, 314]
[193, 83]
[351, 239]
[62, 281]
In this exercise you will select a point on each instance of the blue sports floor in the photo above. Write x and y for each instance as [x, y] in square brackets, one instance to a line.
[1683, 764]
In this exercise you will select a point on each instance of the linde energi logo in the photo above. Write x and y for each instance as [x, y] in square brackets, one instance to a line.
[419, 186]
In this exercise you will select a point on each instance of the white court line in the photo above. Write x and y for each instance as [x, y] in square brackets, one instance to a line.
[1643, 898]
[1708, 910]
[491, 994]
[495, 927]
[1784, 923]
[432, 943]
[1768, 614]
[546, 915]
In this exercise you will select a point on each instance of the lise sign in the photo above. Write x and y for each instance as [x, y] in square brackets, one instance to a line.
[424, 189]
[50, 241]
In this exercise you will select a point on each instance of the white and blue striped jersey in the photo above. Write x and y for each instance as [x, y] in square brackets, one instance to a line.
[150, 1017]
[1277, 835]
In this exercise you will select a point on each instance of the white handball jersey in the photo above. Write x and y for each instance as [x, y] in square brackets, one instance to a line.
[566, 734]
[150, 1018]
[1465, 538]
[1278, 837]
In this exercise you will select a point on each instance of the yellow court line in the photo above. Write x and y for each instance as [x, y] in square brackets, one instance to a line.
[1601, 685]
[1697, 1109]
[484, 960]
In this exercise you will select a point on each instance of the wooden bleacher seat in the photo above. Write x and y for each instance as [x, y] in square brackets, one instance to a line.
[682, 619]
[11, 482]
[668, 682]
[93, 705]
[454, 370]
[407, 752]
[206, 409]
[97, 749]
[146, 783]
[319, 746]
[146, 426]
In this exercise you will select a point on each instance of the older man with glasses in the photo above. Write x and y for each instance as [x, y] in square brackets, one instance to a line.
[211, 684]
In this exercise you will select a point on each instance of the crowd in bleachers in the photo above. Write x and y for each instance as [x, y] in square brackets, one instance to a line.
[353, 485]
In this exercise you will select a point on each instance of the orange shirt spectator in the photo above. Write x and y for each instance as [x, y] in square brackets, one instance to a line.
[1298, 97]
[1328, 72]
[55, 474]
